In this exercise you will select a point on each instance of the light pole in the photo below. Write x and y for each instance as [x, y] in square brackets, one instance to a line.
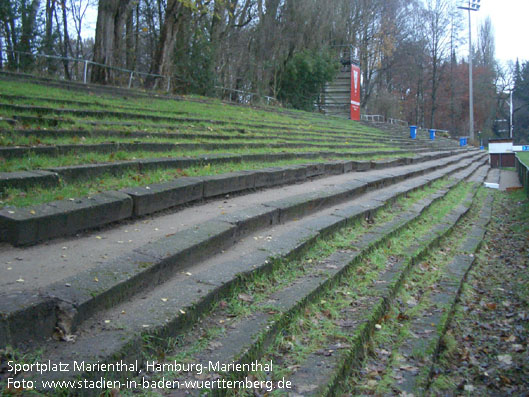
[473, 5]
[510, 114]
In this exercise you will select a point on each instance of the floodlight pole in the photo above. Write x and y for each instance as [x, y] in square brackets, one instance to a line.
[471, 7]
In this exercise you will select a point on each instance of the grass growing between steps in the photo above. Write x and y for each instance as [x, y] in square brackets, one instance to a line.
[83, 188]
[390, 356]
[261, 286]
[355, 289]
[33, 140]
[524, 157]
[485, 350]
[34, 162]
[204, 107]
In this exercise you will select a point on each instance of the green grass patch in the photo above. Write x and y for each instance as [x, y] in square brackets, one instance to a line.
[357, 284]
[33, 140]
[194, 107]
[316, 325]
[524, 157]
[34, 162]
[39, 195]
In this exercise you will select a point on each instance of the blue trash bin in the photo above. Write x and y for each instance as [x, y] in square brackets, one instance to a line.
[432, 134]
[461, 141]
[482, 147]
[413, 131]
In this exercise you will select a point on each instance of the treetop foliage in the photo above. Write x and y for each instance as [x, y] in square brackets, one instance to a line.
[287, 49]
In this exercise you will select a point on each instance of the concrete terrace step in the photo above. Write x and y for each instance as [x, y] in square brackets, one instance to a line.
[23, 179]
[287, 131]
[131, 271]
[247, 340]
[389, 138]
[432, 322]
[174, 305]
[314, 137]
[125, 92]
[21, 109]
[323, 373]
[52, 122]
[9, 152]
[30, 225]
[77, 103]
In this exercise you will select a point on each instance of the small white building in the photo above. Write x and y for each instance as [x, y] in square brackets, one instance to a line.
[501, 153]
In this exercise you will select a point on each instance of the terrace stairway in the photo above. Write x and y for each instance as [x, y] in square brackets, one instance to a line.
[223, 267]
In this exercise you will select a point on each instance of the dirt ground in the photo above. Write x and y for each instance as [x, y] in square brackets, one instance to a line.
[485, 351]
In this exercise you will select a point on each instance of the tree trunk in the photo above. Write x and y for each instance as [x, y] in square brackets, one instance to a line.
[161, 63]
[28, 17]
[137, 33]
[48, 31]
[129, 40]
[216, 27]
[66, 41]
[9, 36]
[110, 20]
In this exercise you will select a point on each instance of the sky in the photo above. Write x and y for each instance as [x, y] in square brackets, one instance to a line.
[511, 27]
[509, 20]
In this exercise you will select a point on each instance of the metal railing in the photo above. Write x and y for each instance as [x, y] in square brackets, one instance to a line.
[82, 68]
[86, 64]
[523, 173]
[375, 118]
[398, 122]
[246, 96]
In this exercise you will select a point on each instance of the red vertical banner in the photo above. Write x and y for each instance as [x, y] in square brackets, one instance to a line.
[355, 92]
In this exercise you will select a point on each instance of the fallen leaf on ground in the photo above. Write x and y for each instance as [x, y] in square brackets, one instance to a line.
[505, 359]
[469, 388]
[490, 306]
[245, 297]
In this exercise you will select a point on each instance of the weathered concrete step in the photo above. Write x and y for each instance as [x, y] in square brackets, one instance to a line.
[203, 279]
[92, 89]
[287, 135]
[26, 179]
[87, 113]
[269, 132]
[494, 176]
[30, 225]
[53, 120]
[85, 249]
[95, 103]
[324, 374]
[89, 171]
[112, 282]
[428, 326]
[168, 309]
[78, 86]
[247, 339]
[10, 152]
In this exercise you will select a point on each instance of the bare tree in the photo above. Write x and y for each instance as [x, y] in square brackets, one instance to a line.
[177, 13]
[437, 18]
[78, 9]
